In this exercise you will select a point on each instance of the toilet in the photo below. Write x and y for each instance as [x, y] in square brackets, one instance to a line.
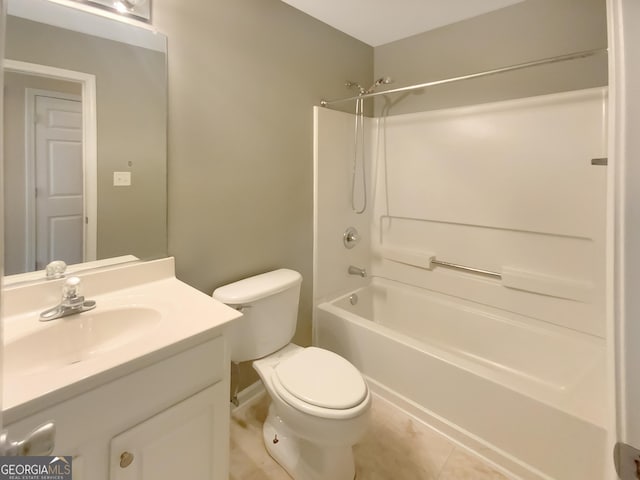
[320, 403]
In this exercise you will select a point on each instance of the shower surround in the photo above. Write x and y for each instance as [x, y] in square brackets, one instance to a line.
[512, 364]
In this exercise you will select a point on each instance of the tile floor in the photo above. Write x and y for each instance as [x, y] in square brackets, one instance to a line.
[397, 447]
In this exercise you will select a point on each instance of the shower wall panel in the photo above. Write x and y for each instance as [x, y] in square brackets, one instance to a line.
[507, 187]
[334, 150]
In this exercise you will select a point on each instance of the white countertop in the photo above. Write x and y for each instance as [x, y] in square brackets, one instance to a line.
[187, 318]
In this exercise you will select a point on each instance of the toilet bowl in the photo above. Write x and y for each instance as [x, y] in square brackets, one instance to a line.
[320, 403]
[313, 422]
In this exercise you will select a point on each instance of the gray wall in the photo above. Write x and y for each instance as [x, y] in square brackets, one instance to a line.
[524, 32]
[131, 117]
[243, 77]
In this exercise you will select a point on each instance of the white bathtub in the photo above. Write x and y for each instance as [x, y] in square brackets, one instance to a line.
[526, 395]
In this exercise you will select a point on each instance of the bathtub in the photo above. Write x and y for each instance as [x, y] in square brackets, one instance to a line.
[526, 395]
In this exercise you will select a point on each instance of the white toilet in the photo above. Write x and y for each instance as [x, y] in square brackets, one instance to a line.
[320, 403]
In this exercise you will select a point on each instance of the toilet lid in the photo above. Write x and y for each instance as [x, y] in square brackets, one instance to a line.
[322, 378]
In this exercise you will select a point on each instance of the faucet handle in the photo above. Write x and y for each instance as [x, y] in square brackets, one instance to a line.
[71, 292]
[350, 237]
[55, 269]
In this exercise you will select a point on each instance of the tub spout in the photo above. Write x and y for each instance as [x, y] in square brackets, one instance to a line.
[357, 271]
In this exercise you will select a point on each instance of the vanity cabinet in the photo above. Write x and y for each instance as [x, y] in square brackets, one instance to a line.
[171, 415]
[177, 443]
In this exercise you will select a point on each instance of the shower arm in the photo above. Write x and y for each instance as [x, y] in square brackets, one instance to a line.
[559, 58]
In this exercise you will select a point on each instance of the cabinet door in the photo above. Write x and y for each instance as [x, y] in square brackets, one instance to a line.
[188, 440]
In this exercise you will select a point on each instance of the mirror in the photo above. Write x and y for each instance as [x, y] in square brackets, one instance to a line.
[85, 137]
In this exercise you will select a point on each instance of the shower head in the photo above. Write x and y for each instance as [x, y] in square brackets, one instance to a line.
[378, 82]
[363, 91]
[350, 84]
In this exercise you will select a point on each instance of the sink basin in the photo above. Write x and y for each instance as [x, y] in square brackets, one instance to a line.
[77, 338]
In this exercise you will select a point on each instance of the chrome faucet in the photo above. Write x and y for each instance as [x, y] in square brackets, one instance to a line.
[357, 271]
[72, 302]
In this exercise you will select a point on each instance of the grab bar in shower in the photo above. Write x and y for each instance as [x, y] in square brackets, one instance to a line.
[428, 260]
[510, 277]
[457, 266]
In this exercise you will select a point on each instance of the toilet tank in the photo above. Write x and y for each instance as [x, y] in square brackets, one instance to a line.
[269, 306]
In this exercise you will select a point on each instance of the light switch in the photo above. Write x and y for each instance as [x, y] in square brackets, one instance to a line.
[121, 179]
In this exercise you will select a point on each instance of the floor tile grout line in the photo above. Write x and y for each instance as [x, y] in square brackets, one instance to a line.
[445, 462]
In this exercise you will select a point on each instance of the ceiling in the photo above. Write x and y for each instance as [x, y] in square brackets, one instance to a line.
[377, 22]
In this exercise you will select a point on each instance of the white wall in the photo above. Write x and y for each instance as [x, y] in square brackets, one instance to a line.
[334, 149]
[506, 187]
[624, 17]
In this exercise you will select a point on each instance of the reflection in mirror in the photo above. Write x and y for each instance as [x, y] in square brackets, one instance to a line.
[51, 161]
[30, 101]
[139, 9]
[57, 205]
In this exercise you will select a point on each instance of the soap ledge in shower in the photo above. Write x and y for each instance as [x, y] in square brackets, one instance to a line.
[581, 291]
[410, 257]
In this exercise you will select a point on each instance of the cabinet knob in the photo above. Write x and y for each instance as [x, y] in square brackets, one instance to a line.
[125, 459]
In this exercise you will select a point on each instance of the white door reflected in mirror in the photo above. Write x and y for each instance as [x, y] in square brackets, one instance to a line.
[59, 182]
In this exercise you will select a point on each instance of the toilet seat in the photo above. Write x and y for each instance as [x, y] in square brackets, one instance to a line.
[321, 383]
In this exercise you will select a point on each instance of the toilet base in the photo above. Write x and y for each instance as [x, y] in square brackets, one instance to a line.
[304, 460]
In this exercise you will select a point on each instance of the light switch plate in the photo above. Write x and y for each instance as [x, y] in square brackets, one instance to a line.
[121, 179]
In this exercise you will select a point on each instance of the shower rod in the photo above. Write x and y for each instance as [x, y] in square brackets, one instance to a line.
[544, 61]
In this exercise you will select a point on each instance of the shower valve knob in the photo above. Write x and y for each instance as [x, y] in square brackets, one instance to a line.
[351, 237]
[126, 459]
